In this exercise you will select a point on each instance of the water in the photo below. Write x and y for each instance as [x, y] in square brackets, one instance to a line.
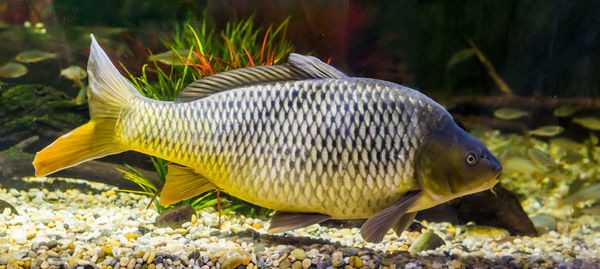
[523, 80]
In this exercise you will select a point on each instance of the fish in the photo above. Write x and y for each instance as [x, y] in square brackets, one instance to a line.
[13, 70]
[301, 138]
[74, 73]
[591, 210]
[169, 57]
[566, 110]
[565, 144]
[589, 192]
[572, 157]
[541, 157]
[550, 130]
[32, 56]
[510, 113]
[591, 123]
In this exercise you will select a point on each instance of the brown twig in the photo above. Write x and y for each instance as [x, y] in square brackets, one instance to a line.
[491, 70]
[526, 102]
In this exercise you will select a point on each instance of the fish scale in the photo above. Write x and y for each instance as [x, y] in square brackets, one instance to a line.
[290, 148]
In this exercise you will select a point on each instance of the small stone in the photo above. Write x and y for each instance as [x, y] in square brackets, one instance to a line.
[355, 261]
[151, 257]
[436, 265]
[426, 241]
[410, 265]
[285, 263]
[297, 265]
[256, 226]
[124, 261]
[306, 263]
[131, 264]
[52, 197]
[52, 244]
[246, 260]
[231, 261]
[107, 249]
[337, 259]
[456, 263]
[131, 236]
[299, 254]
[30, 235]
[151, 266]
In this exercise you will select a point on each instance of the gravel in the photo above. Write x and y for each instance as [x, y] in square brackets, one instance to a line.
[111, 229]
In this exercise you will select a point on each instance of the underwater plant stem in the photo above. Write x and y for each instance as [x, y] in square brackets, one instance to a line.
[491, 70]
[153, 197]
[219, 205]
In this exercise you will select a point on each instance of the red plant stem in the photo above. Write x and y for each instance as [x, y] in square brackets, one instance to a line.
[262, 50]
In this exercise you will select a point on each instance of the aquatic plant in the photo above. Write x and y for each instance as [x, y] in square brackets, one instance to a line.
[240, 44]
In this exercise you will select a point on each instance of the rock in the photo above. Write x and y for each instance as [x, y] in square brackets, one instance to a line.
[502, 209]
[52, 197]
[285, 263]
[426, 241]
[299, 254]
[456, 263]
[297, 265]
[175, 217]
[230, 261]
[306, 263]
[337, 259]
[544, 223]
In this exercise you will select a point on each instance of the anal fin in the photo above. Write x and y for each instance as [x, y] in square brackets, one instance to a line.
[285, 221]
[183, 183]
[403, 223]
[375, 228]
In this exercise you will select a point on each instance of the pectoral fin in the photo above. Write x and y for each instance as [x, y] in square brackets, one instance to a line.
[285, 221]
[183, 183]
[377, 225]
[403, 223]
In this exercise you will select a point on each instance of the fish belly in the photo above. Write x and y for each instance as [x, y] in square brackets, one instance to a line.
[345, 148]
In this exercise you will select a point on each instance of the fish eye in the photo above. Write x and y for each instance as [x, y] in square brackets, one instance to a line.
[471, 158]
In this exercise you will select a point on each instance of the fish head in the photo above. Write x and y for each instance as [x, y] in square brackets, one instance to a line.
[453, 163]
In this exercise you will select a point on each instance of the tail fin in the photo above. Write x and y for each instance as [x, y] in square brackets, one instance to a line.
[108, 93]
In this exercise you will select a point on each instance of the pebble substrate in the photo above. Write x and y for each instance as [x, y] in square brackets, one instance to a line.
[112, 229]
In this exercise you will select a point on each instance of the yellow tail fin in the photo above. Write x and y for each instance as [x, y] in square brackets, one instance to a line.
[108, 94]
[90, 141]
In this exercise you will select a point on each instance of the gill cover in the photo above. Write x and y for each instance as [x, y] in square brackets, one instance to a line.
[453, 163]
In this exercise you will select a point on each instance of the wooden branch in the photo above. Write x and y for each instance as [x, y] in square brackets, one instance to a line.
[491, 122]
[490, 68]
[526, 102]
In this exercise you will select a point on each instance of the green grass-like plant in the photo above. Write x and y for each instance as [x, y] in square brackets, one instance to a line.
[240, 44]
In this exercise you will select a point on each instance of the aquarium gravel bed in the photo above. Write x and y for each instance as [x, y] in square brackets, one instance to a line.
[112, 229]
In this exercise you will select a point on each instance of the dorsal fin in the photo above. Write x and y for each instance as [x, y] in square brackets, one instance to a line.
[298, 67]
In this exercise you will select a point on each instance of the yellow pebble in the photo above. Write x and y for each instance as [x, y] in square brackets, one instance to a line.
[456, 263]
[27, 264]
[194, 218]
[151, 266]
[246, 260]
[107, 249]
[256, 226]
[131, 236]
[71, 246]
[181, 231]
[151, 258]
[109, 193]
